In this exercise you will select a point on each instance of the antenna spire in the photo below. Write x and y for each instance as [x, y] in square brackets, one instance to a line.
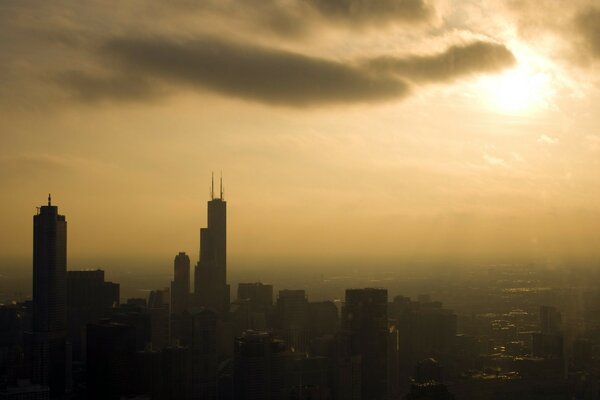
[221, 185]
[49, 199]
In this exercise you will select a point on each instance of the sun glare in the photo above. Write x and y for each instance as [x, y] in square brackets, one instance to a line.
[520, 90]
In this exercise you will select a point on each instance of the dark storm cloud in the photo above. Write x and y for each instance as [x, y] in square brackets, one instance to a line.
[455, 62]
[140, 66]
[411, 11]
[250, 72]
[90, 87]
[587, 24]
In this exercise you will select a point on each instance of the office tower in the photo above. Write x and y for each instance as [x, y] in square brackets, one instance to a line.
[89, 298]
[140, 321]
[550, 319]
[48, 343]
[13, 323]
[158, 309]
[425, 329]
[309, 378]
[324, 318]
[547, 345]
[210, 276]
[292, 319]
[260, 363]
[204, 349]
[180, 286]
[365, 322]
[110, 360]
[165, 374]
[258, 296]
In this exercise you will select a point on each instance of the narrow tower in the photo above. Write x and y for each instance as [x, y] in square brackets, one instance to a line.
[180, 286]
[49, 319]
[210, 277]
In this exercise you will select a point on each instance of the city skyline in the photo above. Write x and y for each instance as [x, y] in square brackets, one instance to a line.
[409, 130]
[513, 332]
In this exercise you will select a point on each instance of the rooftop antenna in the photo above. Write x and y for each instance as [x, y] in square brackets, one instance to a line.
[221, 185]
[212, 185]
[49, 199]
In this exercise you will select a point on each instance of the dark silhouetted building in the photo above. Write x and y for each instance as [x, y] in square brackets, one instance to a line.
[258, 296]
[260, 367]
[427, 383]
[292, 319]
[180, 286]
[550, 319]
[365, 322]
[89, 298]
[110, 360]
[200, 333]
[47, 342]
[14, 322]
[165, 374]
[158, 309]
[210, 276]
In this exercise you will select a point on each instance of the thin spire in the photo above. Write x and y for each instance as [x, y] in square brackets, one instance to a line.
[221, 185]
[49, 199]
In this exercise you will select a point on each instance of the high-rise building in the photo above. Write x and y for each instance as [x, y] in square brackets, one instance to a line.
[260, 363]
[210, 276]
[365, 322]
[180, 286]
[258, 295]
[292, 319]
[111, 360]
[89, 298]
[48, 345]
[550, 319]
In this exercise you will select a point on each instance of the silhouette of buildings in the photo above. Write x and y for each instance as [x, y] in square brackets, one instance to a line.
[257, 295]
[292, 319]
[427, 383]
[550, 320]
[110, 360]
[365, 322]
[172, 345]
[48, 339]
[210, 276]
[260, 363]
[89, 298]
[180, 286]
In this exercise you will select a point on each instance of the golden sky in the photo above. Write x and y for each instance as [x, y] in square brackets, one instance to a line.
[372, 130]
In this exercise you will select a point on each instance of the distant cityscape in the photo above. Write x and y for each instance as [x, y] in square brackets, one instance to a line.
[516, 333]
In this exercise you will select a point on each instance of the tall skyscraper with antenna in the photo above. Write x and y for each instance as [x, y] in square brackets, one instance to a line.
[210, 276]
[49, 320]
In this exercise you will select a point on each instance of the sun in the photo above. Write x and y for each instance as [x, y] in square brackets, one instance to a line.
[523, 89]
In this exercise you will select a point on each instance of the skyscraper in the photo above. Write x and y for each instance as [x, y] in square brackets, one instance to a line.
[365, 322]
[49, 320]
[180, 286]
[210, 276]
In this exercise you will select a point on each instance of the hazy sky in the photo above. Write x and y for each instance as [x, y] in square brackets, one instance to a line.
[371, 130]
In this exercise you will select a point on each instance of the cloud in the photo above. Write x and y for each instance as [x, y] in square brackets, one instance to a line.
[241, 70]
[270, 75]
[587, 24]
[374, 11]
[544, 139]
[455, 62]
[574, 27]
[90, 87]
[494, 161]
